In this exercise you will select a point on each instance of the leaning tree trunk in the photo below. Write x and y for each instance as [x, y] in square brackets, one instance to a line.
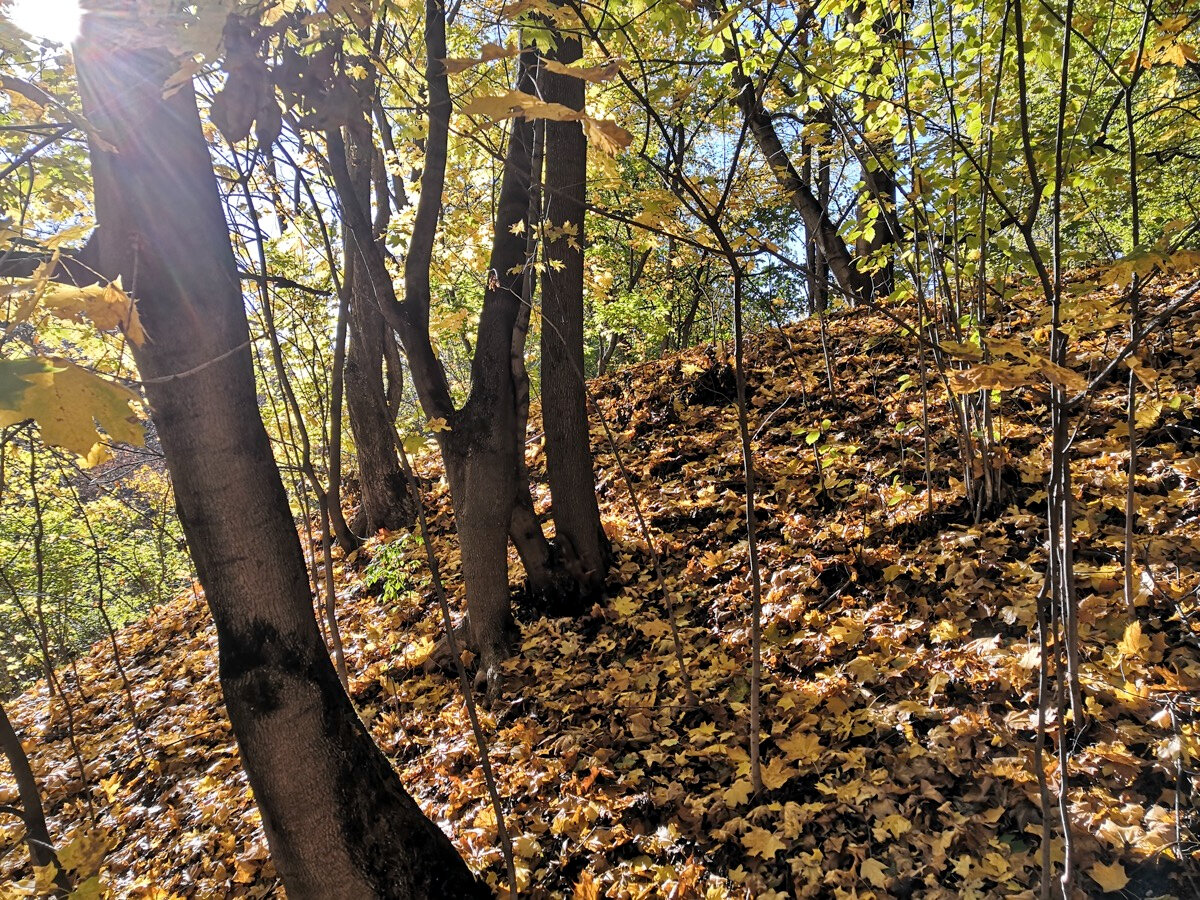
[338, 821]
[385, 498]
[37, 834]
[580, 539]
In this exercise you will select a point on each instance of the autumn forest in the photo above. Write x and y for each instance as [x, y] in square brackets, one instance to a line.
[652, 448]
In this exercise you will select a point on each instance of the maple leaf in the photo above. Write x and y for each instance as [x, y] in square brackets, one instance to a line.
[518, 103]
[776, 774]
[802, 748]
[738, 792]
[594, 74]
[1133, 644]
[66, 401]
[607, 135]
[85, 853]
[586, 888]
[873, 871]
[488, 52]
[108, 307]
[763, 843]
[1111, 877]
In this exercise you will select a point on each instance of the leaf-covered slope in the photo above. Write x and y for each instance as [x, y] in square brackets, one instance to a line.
[900, 664]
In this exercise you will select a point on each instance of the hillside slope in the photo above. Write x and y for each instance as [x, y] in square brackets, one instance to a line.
[900, 665]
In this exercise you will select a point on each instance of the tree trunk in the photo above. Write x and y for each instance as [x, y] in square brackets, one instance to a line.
[580, 539]
[818, 226]
[879, 181]
[336, 817]
[880, 187]
[37, 834]
[525, 528]
[480, 447]
[385, 499]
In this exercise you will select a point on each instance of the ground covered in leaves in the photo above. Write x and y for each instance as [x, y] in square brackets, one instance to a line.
[900, 663]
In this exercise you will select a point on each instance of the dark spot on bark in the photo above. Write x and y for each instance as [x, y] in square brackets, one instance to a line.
[255, 660]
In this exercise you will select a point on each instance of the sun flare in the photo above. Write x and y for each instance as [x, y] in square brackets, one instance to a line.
[52, 20]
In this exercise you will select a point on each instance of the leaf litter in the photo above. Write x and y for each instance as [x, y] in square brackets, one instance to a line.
[899, 672]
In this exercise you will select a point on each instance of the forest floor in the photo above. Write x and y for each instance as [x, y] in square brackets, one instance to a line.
[899, 647]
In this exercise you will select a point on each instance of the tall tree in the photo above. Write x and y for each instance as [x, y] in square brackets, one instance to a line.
[876, 206]
[385, 498]
[578, 533]
[337, 819]
[477, 439]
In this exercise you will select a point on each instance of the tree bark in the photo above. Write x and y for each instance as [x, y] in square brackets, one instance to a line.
[579, 537]
[525, 528]
[879, 181]
[479, 443]
[37, 834]
[385, 499]
[480, 447]
[880, 186]
[819, 227]
[337, 819]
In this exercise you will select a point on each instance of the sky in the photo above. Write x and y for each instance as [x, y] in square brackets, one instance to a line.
[52, 20]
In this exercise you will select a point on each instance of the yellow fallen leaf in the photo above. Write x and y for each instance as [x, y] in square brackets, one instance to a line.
[776, 774]
[1110, 877]
[944, 631]
[802, 748]
[873, 871]
[738, 792]
[1133, 643]
[761, 842]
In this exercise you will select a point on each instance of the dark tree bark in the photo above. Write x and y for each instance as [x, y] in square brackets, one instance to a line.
[880, 186]
[385, 499]
[879, 182]
[479, 444]
[336, 817]
[480, 447]
[37, 834]
[817, 223]
[818, 268]
[580, 540]
[525, 528]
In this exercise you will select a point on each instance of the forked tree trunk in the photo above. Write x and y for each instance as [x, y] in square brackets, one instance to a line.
[385, 499]
[480, 447]
[337, 819]
[581, 543]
